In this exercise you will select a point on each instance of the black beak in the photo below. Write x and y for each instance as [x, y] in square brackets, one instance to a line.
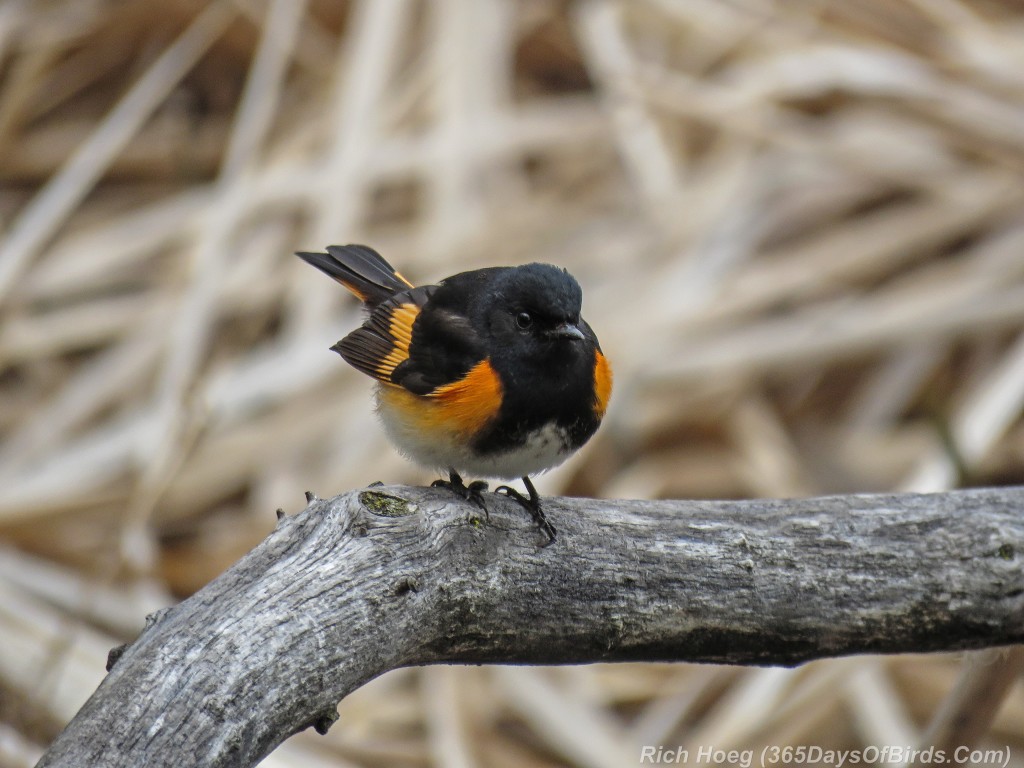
[566, 331]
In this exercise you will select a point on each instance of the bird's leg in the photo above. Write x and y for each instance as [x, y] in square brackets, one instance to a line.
[473, 492]
[531, 505]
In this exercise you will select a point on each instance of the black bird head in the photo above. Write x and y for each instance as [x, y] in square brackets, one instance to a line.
[533, 312]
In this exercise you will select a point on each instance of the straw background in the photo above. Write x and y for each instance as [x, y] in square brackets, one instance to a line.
[800, 231]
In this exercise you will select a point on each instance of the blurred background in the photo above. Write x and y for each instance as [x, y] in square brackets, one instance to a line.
[800, 231]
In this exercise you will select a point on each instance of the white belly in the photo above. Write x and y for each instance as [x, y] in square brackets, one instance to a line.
[543, 449]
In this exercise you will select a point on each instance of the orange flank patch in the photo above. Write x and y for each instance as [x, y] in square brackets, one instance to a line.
[400, 333]
[472, 401]
[463, 407]
[602, 384]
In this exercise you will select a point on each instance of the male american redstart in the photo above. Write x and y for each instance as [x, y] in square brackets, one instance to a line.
[490, 372]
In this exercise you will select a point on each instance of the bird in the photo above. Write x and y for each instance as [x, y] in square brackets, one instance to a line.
[490, 372]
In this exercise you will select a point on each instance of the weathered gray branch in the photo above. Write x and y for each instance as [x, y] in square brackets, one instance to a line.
[395, 576]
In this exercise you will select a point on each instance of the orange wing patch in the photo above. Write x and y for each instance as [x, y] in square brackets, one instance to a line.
[602, 384]
[383, 342]
[400, 333]
[462, 408]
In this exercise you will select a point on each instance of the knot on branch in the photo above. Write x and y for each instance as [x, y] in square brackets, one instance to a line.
[114, 654]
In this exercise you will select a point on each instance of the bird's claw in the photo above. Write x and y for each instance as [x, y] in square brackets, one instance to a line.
[532, 505]
[473, 492]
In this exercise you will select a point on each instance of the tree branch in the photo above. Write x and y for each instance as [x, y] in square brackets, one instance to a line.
[395, 576]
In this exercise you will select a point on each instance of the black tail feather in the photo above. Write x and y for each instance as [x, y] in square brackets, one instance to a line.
[360, 269]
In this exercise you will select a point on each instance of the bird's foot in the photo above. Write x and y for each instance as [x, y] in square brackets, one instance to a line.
[473, 492]
[532, 505]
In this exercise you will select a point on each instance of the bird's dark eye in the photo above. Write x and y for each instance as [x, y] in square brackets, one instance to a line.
[523, 320]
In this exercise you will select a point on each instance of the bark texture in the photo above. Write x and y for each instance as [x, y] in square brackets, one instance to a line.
[394, 576]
